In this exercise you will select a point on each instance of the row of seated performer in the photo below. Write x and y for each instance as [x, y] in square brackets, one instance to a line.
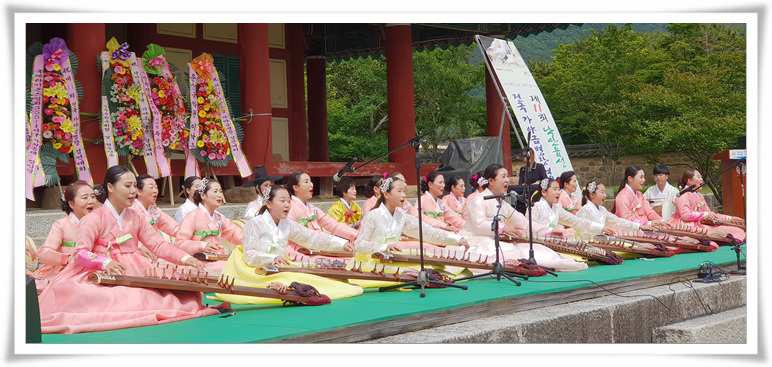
[128, 234]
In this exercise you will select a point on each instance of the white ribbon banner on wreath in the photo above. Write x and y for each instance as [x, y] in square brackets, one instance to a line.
[36, 111]
[191, 164]
[147, 123]
[230, 130]
[79, 152]
[163, 162]
[107, 124]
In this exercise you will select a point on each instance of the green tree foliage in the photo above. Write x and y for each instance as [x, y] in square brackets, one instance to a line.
[650, 93]
[357, 110]
[443, 81]
[357, 101]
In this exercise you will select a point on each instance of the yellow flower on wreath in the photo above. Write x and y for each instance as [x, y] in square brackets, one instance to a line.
[134, 123]
[200, 144]
[67, 126]
[202, 113]
[57, 145]
[200, 100]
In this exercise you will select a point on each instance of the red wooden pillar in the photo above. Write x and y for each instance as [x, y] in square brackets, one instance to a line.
[401, 96]
[255, 78]
[87, 40]
[298, 130]
[495, 111]
[319, 145]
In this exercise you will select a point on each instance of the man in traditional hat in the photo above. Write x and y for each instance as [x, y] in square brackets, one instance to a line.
[261, 183]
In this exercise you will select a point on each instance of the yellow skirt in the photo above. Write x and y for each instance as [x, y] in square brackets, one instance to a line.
[245, 275]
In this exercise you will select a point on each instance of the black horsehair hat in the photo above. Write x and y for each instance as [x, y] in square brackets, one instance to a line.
[261, 175]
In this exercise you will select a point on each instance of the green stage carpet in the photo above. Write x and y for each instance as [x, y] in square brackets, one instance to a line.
[254, 324]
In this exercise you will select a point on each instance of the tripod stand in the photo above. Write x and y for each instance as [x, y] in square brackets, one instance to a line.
[498, 268]
[423, 277]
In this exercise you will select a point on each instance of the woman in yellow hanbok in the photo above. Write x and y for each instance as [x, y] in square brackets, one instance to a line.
[266, 237]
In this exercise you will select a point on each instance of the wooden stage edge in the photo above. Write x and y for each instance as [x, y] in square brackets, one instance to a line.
[374, 330]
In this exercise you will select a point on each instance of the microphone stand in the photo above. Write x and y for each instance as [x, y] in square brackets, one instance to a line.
[498, 268]
[423, 276]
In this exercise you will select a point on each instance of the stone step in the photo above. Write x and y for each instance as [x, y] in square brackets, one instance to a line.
[631, 318]
[727, 327]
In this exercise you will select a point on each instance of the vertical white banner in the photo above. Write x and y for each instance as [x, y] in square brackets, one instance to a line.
[528, 104]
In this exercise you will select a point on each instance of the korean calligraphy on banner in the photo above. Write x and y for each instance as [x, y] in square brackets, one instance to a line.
[528, 104]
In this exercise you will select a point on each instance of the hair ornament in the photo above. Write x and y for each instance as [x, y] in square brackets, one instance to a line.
[474, 177]
[385, 184]
[558, 180]
[545, 184]
[98, 190]
[202, 185]
[266, 192]
[482, 181]
[385, 175]
[592, 186]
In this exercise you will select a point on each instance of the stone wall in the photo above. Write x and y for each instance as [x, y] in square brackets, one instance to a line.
[590, 168]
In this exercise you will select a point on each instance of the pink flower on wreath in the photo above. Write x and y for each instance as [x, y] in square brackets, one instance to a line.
[166, 142]
[203, 153]
[118, 69]
[212, 156]
[48, 134]
[127, 139]
[49, 111]
[67, 136]
[220, 156]
[157, 61]
[137, 143]
[166, 119]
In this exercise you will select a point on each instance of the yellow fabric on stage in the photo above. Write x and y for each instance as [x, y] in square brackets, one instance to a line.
[245, 275]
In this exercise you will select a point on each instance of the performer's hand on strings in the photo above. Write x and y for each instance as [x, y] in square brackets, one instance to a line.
[280, 260]
[646, 227]
[115, 268]
[192, 261]
[608, 231]
[211, 248]
[710, 216]
[148, 254]
[348, 246]
[450, 228]
[661, 224]
[393, 248]
[465, 243]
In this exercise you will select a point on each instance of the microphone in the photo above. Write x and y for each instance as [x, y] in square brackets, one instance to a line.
[511, 194]
[686, 189]
[346, 168]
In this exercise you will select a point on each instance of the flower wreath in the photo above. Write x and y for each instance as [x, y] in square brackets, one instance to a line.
[166, 96]
[124, 94]
[59, 129]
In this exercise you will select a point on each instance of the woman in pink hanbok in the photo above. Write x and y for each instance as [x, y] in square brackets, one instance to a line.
[435, 213]
[79, 200]
[372, 192]
[108, 242]
[147, 193]
[477, 228]
[301, 189]
[691, 208]
[630, 203]
[454, 199]
[568, 185]
[203, 229]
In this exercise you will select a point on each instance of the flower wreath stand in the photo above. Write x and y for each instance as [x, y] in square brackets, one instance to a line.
[214, 139]
[53, 116]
